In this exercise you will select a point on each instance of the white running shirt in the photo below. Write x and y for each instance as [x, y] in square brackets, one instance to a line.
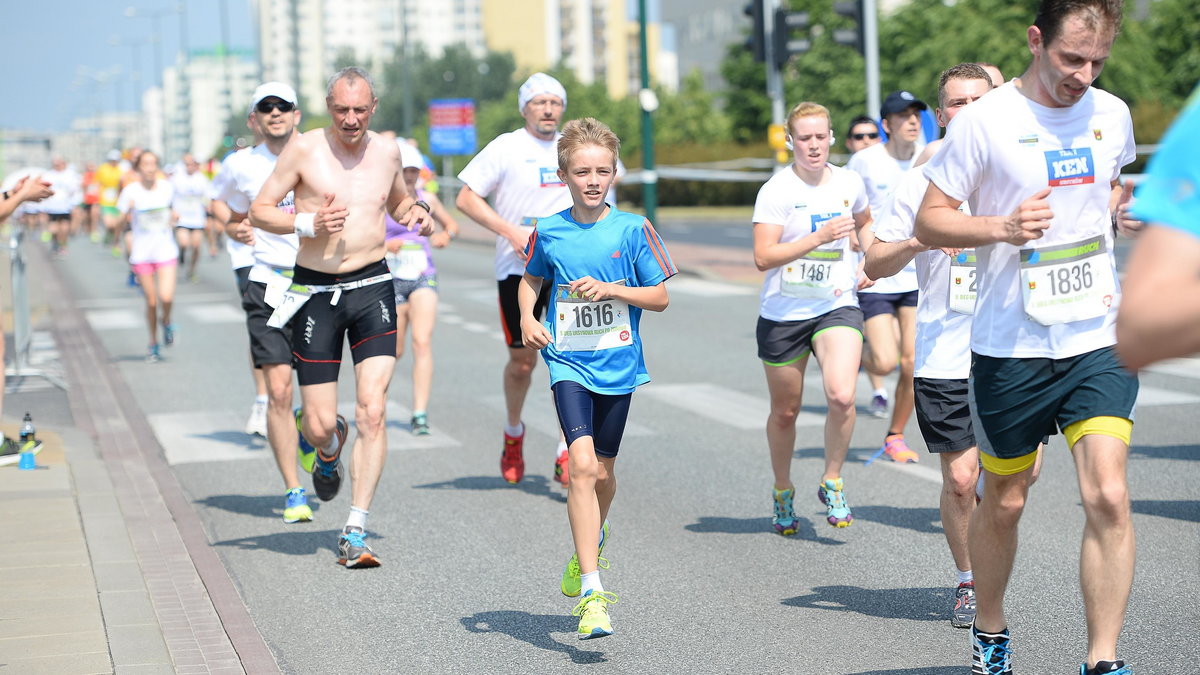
[943, 343]
[191, 191]
[519, 172]
[1000, 151]
[153, 232]
[799, 208]
[881, 173]
[249, 169]
[240, 255]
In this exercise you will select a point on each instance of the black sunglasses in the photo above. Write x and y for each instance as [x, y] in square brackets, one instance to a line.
[872, 135]
[265, 107]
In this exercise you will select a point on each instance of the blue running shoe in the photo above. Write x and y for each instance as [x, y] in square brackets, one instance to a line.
[1106, 668]
[990, 653]
[784, 520]
[306, 452]
[296, 509]
[353, 551]
[833, 496]
[169, 334]
[327, 470]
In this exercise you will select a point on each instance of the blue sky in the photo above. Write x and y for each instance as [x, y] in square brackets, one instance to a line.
[53, 51]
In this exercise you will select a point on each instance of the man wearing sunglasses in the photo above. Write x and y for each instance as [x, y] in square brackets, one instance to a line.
[345, 179]
[273, 116]
[861, 134]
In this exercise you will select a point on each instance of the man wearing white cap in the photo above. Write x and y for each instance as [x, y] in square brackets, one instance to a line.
[519, 172]
[273, 115]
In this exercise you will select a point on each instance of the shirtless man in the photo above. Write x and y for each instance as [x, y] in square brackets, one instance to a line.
[344, 177]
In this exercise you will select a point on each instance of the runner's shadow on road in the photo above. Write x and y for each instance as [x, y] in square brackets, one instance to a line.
[537, 486]
[262, 506]
[535, 629]
[234, 437]
[1166, 451]
[915, 604]
[927, 670]
[291, 542]
[1180, 509]
[725, 525]
[924, 520]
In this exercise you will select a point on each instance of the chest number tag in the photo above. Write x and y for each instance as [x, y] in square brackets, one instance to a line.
[962, 282]
[815, 275]
[408, 263]
[154, 220]
[1071, 282]
[582, 325]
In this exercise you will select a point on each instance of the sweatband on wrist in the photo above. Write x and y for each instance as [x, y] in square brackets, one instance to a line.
[304, 225]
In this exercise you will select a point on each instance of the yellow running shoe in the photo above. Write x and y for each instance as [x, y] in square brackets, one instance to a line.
[296, 509]
[592, 611]
[571, 585]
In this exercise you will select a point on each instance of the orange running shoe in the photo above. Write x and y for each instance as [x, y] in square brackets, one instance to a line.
[895, 448]
[560, 469]
[512, 461]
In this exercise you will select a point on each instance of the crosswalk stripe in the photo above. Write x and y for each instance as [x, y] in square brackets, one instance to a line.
[708, 289]
[727, 406]
[115, 319]
[1153, 396]
[1188, 367]
[543, 419]
[213, 313]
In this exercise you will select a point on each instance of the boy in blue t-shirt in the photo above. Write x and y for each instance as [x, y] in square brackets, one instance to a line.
[606, 267]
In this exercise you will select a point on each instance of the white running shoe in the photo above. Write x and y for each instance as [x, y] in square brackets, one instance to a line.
[257, 424]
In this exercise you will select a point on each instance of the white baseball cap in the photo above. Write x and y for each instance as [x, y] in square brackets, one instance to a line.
[277, 89]
[410, 157]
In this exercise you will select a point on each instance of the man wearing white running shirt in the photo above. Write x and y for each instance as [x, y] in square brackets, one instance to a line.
[1038, 160]
[519, 172]
[273, 111]
[191, 203]
[946, 279]
[881, 167]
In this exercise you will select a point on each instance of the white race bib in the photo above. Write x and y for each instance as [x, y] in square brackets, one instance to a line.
[815, 275]
[189, 203]
[109, 195]
[1066, 283]
[962, 282]
[586, 326]
[409, 262]
[155, 220]
[277, 285]
[293, 299]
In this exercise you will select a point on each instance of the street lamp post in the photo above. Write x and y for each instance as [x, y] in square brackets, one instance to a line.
[155, 16]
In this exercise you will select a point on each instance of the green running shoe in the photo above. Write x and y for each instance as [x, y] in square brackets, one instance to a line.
[296, 509]
[571, 585]
[592, 611]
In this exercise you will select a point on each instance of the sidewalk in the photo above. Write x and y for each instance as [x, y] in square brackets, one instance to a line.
[105, 568]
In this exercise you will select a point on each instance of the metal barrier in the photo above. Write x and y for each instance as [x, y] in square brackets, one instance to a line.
[22, 320]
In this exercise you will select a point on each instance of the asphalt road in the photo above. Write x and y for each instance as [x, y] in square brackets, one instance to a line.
[471, 564]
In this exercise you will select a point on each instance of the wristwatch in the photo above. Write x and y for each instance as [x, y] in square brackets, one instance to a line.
[423, 204]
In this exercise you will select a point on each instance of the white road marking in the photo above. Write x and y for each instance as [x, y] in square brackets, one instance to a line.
[1152, 396]
[541, 417]
[727, 406]
[116, 319]
[214, 313]
[708, 289]
[1189, 367]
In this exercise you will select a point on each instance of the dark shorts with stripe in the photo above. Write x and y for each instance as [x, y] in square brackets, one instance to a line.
[510, 310]
[582, 412]
[366, 314]
[784, 342]
[268, 346]
[1017, 402]
[874, 304]
[944, 414]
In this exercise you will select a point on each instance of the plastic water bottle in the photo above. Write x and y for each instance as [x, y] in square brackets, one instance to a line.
[28, 432]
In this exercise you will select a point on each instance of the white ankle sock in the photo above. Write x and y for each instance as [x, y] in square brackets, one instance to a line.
[964, 577]
[358, 518]
[591, 582]
[514, 431]
[881, 392]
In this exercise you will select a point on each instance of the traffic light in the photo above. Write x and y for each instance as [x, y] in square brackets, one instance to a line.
[757, 42]
[785, 46]
[851, 37]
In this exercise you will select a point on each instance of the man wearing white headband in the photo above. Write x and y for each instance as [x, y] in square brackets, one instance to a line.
[519, 172]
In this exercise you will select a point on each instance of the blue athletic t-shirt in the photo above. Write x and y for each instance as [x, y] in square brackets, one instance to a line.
[619, 247]
[1170, 194]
